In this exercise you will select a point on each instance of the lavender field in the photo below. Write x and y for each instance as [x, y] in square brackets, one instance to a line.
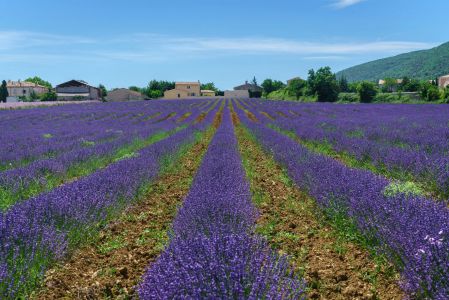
[224, 199]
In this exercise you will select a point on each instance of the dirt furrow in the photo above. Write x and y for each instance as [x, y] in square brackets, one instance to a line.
[333, 267]
[113, 265]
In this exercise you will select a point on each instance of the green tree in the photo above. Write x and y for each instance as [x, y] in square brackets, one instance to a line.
[324, 84]
[103, 91]
[3, 92]
[267, 86]
[135, 89]
[33, 96]
[429, 91]
[154, 94]
[367, 91]
[297, 86]
[209, 86]
[343, 85]
[254, 81]
[49, 96]
[39, 81]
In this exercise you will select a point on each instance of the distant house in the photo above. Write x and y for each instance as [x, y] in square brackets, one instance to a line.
[77, 90]
[184, 90]
[443, 81]
[123, 95]
[390, 89]
[19, 88]
[398, 81]
[237, 94]
[207, 93]
[254, 91]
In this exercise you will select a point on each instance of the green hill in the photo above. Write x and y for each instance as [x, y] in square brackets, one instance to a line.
[424, 64]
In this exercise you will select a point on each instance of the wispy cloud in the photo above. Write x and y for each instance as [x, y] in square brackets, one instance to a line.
[143, 47]
[345, 3]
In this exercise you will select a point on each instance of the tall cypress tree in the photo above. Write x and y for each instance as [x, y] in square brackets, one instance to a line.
[3, 92]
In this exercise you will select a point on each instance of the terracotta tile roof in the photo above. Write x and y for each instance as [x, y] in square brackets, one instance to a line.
[13, 84]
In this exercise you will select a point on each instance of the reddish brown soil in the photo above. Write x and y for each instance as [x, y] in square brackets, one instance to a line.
[267, 115]
[292, 223]
[200, 118]
[113, 266]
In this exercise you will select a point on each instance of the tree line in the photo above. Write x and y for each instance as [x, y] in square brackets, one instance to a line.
[323, 85]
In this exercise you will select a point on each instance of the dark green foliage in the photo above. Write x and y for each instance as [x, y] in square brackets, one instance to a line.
[429, 92]
[103, 91]
[254, 81]
[424, 65]
[49, 96]
[367, 91]
[324, 84]
[343, 85]
[39, 81]
[410, 85]
[3, 92]
[156, 88]
[270, 85]
[297, 86]
[135, 89]
[209, 86]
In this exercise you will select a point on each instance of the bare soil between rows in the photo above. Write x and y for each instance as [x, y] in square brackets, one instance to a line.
[291, 222]
[113, 266]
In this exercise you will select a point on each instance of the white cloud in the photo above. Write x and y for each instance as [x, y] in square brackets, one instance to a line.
[31, 46]
[10, 40]
[345, 3]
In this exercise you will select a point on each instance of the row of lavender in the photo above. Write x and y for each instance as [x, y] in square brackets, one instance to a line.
[35, 233]
[214, 252]
[17, 184]
[405, 139]
[48, 131]
[412, 231]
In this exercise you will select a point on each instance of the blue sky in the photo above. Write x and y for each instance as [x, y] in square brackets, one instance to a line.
[123, 43]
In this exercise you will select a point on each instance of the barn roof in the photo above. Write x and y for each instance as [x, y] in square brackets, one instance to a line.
[75, 83]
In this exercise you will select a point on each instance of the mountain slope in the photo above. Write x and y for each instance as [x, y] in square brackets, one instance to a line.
[423, 64]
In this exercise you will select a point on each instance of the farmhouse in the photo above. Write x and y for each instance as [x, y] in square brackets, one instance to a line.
[254, 91]
[19, 88]
[123, 95]
[443, 81]
[77, 90]
[184, 90]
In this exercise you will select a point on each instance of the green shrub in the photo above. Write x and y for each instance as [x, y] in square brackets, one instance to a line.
[367, 91]
[348, 97]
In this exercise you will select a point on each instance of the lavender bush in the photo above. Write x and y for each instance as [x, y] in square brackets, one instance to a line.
[36, 232]
[213, 252]
[411, 230]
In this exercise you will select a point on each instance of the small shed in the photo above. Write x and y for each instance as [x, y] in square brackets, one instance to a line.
[207, 93]
[118, 95]
[254, 90]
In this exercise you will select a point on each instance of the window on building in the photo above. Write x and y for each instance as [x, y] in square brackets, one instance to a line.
[24, 92]
[188, 87]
